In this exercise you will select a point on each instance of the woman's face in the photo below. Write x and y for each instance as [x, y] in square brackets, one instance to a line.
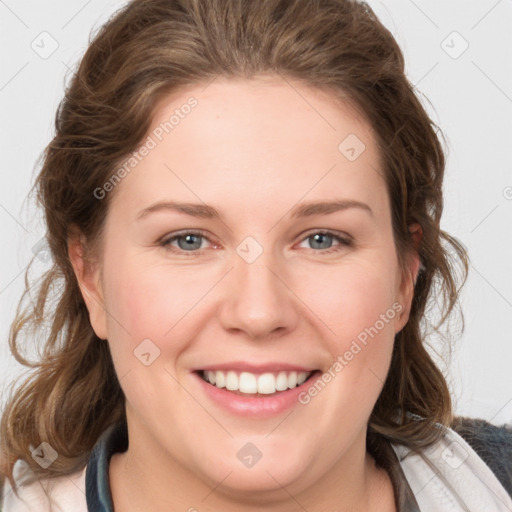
[252, 282]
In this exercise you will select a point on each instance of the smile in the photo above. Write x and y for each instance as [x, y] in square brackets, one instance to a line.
[247, 383]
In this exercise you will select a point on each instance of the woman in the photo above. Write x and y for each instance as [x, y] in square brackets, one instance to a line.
[243, 205]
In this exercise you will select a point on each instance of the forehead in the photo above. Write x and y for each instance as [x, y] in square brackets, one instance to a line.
[256, 142]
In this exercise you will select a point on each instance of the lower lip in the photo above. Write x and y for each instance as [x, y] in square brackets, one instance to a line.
[261, 407]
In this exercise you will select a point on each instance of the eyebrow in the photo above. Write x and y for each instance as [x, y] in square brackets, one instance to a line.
[302, 210]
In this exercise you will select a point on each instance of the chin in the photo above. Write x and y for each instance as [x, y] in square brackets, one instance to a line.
[268, 474]
[261, 485]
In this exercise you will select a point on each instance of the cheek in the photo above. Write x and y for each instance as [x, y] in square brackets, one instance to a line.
[162, 303]
[150, 299]
[150, 309]
[358, 303]
[353, 297]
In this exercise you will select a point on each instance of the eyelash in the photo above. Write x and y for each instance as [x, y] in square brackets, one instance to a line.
[343, 241]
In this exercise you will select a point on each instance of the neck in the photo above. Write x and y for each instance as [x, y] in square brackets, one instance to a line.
[146, 478]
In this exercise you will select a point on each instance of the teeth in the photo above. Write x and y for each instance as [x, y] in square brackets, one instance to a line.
[246, 382]
[301, 378]
[266, 384]
[232, 381]
[220, 379]
[282, 381]
[292, 380]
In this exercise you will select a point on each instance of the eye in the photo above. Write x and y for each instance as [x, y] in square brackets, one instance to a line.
[192, 242]
[323, 240]
[187, 241]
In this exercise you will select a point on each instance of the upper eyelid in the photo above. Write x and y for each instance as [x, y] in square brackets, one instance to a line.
[173, 236]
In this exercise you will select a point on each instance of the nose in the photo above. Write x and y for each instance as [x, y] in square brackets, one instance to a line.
[258, 300]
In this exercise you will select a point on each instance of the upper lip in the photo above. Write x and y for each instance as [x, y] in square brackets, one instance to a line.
[243, 366]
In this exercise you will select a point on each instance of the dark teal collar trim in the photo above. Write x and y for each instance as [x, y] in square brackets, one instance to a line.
[97, 487]
[115, 439]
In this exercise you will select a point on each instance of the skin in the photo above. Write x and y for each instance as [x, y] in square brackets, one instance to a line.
[253, 149]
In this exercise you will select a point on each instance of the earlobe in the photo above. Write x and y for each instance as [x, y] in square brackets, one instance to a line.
[410, 275]
[416, 236]
[87, 274]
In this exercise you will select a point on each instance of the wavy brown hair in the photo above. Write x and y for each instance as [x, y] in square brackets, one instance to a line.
[151, 48]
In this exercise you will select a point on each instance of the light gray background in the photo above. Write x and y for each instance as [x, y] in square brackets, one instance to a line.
[469, 96]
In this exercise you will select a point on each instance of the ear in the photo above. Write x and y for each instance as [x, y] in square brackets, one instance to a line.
[409, 276]
[88, 276]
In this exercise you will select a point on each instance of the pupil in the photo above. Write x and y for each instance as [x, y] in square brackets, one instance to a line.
[189, 242]
[319, 238]
[193, 241]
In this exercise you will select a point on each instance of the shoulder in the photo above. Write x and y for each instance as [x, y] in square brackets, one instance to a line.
[59, 494]
[453, 472]
[68, 492]
[492, 443]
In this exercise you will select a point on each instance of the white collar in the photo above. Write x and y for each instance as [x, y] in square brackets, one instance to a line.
[458, 477]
